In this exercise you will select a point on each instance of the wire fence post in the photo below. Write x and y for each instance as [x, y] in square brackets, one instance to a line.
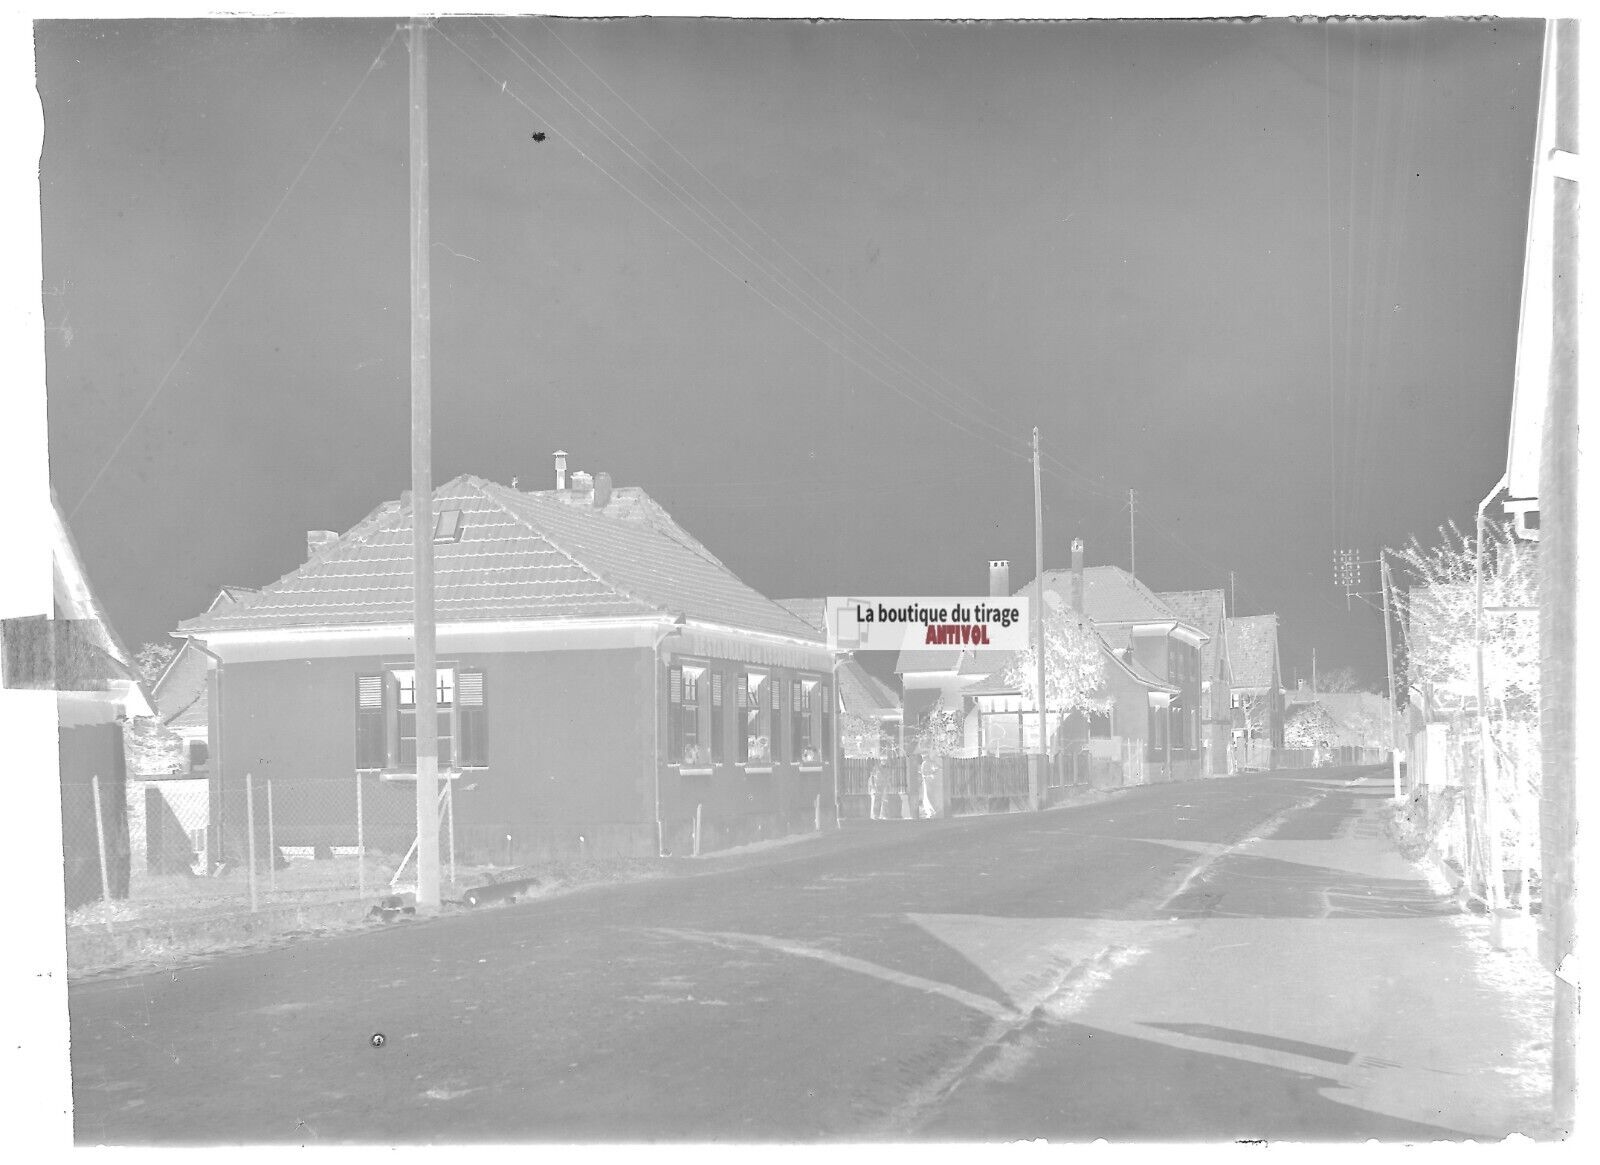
[100, 840]
[361, 844]
[450, 810]
[272, 843]
[250, 830]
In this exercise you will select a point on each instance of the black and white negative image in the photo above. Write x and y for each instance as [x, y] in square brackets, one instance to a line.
[798, 581]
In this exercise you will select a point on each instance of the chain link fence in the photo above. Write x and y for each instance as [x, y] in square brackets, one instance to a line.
[171, 857]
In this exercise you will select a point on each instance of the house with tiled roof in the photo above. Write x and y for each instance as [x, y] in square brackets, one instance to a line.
[181, 687]
[1208, 611]
[601, 675]
[1144, 683]
[1257, 679]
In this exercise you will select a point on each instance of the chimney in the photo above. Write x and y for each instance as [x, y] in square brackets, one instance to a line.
[999, 578]
[317, 539]
[1077, 575]
[561, 469]
[582, 487]
[602, 490]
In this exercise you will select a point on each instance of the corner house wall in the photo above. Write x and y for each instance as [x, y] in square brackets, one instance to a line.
[567, 756]
[740, 803]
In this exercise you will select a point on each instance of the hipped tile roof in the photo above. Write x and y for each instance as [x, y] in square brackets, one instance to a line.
[520, 556]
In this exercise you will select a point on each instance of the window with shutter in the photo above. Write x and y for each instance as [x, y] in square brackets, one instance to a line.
[690, 750]
[472, 705]
[759, 720]
[372, 746]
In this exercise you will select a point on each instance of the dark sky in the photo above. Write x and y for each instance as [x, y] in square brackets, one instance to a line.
[1267, 275]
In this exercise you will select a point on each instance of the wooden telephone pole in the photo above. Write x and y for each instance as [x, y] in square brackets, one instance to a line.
[426, 682]
[1038, 783]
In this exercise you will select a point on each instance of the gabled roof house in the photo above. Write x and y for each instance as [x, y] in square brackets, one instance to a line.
[1257, 679]
[1207, 610]
[1151, 665]
[601, 675]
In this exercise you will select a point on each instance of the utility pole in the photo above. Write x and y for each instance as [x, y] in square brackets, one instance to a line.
[426, 681]
[1133, 560]
[1037, 792]
[1313, 671]
[1233, 598]
[1388, 658]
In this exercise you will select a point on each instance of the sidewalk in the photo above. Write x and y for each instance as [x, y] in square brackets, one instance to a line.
[1312, 985]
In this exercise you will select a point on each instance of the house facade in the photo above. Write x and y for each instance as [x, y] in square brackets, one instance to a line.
[604, 683]
[1207, 610]
[1151, 729]
[1257, 688]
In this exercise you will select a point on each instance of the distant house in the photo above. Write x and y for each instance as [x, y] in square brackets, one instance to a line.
[1208, 611]
[1152, 669]
[1257, 685]
[1337, 719]
[869, 709]
[601, 675]
[181, 689]
[74, 652]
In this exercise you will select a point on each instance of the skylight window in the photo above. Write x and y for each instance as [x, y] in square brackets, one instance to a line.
[447, 526]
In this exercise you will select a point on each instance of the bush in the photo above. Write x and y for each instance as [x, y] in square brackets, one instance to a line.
[1415, 824]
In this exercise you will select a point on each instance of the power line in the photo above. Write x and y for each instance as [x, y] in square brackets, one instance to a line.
[504, 85]
[250, 250]
[752, 221]
[719, 227]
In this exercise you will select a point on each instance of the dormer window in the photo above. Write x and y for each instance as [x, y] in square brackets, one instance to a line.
[447, 526]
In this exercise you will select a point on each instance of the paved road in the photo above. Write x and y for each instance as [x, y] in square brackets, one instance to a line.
[899, 979]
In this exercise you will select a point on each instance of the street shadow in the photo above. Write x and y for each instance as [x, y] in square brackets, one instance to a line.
[1083, 1083]
[1210, 1031]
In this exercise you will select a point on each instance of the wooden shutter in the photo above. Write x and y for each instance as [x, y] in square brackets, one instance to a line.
[741, 721]
[824, 708]
[472, 712]
[674, 715]
[372, 749]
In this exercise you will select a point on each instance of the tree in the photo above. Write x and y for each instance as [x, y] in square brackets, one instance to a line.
[1341, 679]
[937, 732]
[152, 658]
[1074, 665]
[1441, 612]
